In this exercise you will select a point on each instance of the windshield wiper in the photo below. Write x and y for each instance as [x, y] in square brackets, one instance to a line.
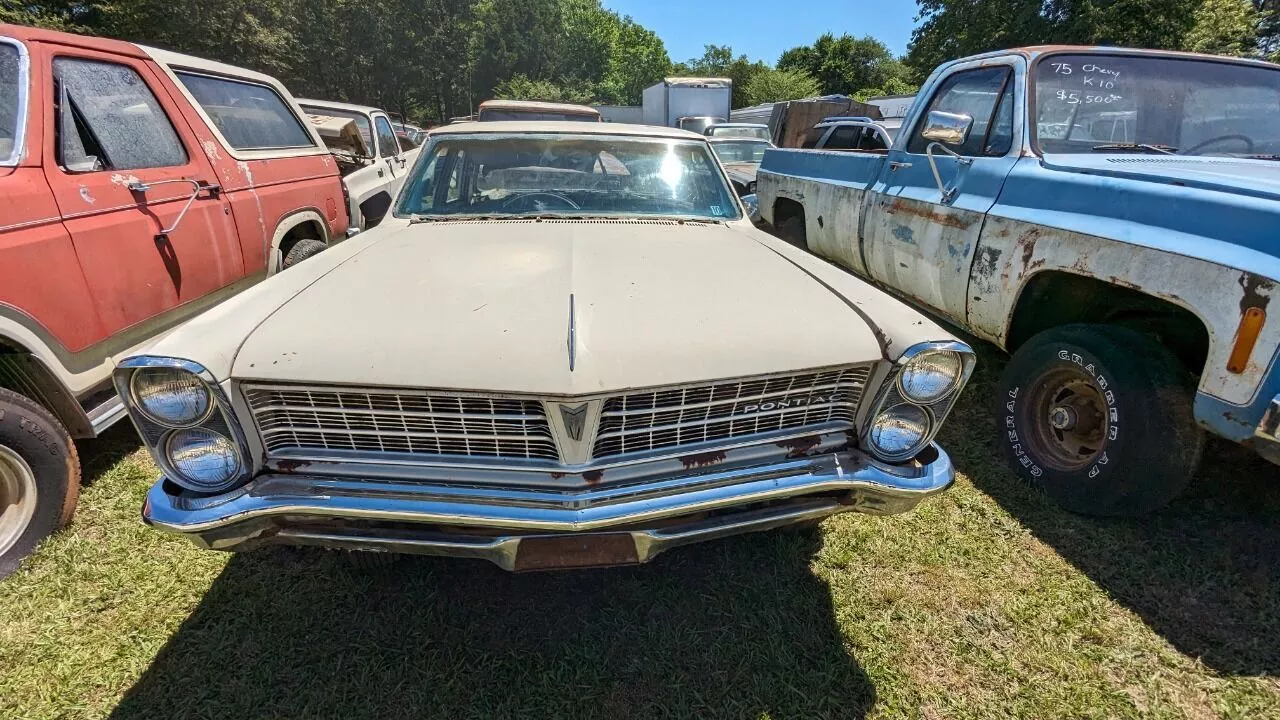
[1137, 147]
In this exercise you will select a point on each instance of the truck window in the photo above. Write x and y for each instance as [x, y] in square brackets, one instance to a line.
[250, 116]
[1000, 139]
[8, 101]
[108, 119]
[812, 137]
[844, 137]
[388, 146]
[974, 93]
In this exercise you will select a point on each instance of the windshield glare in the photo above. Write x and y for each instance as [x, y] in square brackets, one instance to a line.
[735, 152]
[569, 175]
[1195, 107]
[8, 100]
[761, 133]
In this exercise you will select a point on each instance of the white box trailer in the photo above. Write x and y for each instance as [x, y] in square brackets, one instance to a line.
[666, 102]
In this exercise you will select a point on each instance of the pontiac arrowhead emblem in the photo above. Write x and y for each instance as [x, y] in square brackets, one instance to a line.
[575, 420]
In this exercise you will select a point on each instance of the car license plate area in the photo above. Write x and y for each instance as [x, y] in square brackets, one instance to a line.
[560, 552]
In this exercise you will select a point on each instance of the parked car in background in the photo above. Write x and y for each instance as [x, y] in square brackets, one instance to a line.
[496, 110]
[1104, 214]
[698, 123]
[739, 130]
[741, 158]
[372, 172]
[848, 133]
[597, 401]
[138, 187]
[410, 136]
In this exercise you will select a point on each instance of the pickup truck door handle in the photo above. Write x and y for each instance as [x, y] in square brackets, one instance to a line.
[199, 186]
[948, 194]
[898, 165]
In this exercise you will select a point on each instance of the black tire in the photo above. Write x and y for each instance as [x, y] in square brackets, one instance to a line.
[301, 250]
[42, 445]
[792, 230]
[1125, 440]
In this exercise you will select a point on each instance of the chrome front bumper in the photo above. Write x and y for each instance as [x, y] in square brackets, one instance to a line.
[529, 529]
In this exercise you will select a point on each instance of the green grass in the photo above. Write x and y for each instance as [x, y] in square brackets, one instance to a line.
[983, 603]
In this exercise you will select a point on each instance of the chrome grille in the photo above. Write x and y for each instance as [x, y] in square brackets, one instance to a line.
[295, 420]
[671, 417]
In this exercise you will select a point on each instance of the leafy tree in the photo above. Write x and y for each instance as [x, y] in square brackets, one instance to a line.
[520, 87]
[638, 60]
[1224, 27]
[770, 85]
[844, 65]
[718, 61]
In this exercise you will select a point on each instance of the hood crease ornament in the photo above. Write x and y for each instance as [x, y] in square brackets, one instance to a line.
[573, 336]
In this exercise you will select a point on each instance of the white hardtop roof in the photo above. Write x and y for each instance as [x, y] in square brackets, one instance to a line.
[538, 106]
[198, 64]
[567, 127]
[349, 107]
[737, 124]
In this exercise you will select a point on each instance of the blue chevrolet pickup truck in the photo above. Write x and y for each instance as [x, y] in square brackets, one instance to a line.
[1111, 217]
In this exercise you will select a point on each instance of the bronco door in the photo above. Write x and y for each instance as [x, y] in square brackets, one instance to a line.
[146, 218]
[922, 226]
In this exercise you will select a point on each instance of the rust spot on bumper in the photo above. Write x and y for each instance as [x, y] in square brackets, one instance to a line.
[906, 207]
[593, 477]
[289, 467]
[800, 447]
[705, 459]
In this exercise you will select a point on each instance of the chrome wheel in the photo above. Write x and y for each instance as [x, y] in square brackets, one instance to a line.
[1070, 420]
[17, 497]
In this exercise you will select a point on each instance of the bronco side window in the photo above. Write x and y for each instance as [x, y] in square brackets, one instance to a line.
[108, 119]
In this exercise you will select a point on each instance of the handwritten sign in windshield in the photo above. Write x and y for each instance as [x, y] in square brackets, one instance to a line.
[1086, 83]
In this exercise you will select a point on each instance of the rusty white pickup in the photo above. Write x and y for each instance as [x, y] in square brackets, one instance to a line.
[1106, 215]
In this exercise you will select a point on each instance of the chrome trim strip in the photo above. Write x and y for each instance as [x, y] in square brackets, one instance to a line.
[107, 414]
[573, 335]
[288, 497]
[24, 100]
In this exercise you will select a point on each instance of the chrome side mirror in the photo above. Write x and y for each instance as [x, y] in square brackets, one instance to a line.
[947, 128]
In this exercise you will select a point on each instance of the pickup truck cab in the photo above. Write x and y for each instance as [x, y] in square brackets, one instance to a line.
[1106, 215]
[138, 187]
[374, 173]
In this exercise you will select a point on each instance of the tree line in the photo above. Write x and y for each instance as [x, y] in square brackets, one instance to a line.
[431, 60]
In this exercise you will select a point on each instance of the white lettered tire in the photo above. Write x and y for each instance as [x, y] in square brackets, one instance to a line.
[1100, 419]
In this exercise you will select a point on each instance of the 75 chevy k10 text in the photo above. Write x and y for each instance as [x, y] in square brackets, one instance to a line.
[1106, 215]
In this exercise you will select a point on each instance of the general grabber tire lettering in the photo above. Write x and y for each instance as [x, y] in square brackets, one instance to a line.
[1100, 419]
[39, 477]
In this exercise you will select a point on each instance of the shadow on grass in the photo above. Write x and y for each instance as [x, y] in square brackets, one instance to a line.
[1204, 572]
[739, 628]
[101, 453]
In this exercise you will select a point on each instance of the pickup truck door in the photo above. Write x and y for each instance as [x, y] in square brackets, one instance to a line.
[918, 238]
[389, 154]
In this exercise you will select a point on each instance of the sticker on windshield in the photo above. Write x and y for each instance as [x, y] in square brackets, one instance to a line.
[715, 210]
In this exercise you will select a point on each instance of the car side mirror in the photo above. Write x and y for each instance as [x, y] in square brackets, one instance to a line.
[947, 128]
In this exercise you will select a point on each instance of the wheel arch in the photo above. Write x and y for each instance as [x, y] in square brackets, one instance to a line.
[304, 223]
[24, 371]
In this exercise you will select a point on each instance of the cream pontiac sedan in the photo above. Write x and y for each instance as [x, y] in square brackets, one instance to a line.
[566, 348]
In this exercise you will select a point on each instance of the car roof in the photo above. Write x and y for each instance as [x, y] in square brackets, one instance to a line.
[725, 139]
[350, 107]
[565, 126]
[538, 106]
[846, 118]
[738, 125]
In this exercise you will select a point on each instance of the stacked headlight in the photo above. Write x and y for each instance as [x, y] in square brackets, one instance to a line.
[184, 420]
[919, 394]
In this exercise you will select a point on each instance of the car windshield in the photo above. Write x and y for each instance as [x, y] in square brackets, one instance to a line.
[1126, 103]
[8, 100]
[361, 120]
[735, 151]
[525, 175]
[761, 133]
[535, 115]
[698, 125]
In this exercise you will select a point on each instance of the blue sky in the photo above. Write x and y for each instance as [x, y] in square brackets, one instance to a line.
[764, 28]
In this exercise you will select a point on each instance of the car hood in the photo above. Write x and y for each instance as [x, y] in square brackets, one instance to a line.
[486, 305]
[1258, 178]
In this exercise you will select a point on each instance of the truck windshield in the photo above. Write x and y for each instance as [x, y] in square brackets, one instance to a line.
[760, 133]
[566, 175]
[8, 101]
[1127, 103]
[698, 125]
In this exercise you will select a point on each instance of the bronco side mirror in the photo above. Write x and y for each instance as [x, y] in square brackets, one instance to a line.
[947, 128]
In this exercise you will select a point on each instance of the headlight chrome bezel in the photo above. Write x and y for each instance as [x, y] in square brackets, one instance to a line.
[137, 400]
[157, 434]
[892, 394]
